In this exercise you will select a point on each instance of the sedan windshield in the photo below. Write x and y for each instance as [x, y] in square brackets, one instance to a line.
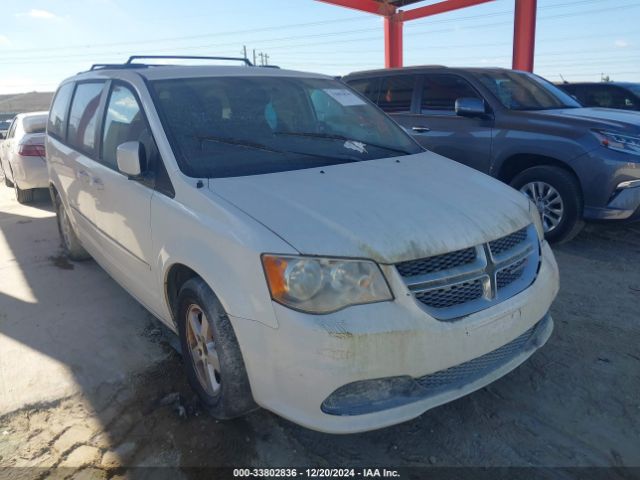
[525, 91]
[236, 126]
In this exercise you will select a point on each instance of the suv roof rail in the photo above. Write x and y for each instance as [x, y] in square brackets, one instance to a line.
[131, 64]
[187, 57]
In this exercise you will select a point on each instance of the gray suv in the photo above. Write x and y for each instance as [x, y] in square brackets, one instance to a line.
[575, 163]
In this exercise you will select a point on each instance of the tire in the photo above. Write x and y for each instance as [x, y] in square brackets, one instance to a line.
[23, 196]
[68, 238]
[554, 190]
[221, 383]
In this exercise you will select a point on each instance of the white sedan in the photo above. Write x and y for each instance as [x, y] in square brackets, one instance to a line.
[22, 155]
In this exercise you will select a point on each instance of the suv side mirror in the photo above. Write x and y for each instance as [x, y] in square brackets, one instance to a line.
[470, 107]
[130, 158]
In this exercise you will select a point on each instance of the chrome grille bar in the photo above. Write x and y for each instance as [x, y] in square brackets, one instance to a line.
[450, 286]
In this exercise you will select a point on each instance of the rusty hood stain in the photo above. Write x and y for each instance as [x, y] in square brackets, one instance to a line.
[389, 210]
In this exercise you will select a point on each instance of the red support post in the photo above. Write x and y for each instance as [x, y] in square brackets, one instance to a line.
[393, 41]
[524, 35]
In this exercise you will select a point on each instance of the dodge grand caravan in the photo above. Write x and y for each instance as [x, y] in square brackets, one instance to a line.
[311, 256]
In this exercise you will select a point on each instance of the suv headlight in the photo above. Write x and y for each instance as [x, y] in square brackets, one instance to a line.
[323, 285]
[534, 213]
[618, 142]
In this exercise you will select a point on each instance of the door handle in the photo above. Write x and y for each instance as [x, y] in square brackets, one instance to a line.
[419, 129]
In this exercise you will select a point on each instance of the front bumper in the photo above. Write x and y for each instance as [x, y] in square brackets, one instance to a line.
[623, 206]
[601, 173]
[294, 369]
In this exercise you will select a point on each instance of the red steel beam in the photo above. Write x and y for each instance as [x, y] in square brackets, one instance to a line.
[440, 7]
[524, 35]
[370, 6]
[392, 42]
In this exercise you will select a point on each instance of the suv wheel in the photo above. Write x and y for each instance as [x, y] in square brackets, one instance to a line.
[557, 195]
[70, 243]
[211, 354]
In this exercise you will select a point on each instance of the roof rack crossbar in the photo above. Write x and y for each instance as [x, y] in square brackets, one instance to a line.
[186, 57]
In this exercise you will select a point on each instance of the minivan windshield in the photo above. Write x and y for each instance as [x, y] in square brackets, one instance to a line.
[525, 91]
[248, 125]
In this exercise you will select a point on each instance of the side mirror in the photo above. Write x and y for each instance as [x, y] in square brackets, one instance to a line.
[2, 135]
[130, 158]
[470, 107]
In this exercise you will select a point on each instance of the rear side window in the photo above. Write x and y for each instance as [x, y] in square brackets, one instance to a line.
[124, 122]
[369, 87]
[440, 92]
[57, 116]
[396, 93]
[83, 117]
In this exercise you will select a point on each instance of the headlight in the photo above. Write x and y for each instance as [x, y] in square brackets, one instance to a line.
[534, 213]
[323, 285]
[618, 142]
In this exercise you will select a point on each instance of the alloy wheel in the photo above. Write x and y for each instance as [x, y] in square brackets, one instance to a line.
[202, 349]
[548, 201]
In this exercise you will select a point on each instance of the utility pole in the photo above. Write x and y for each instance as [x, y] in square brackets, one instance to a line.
[244, 51]
[254, 56]
[261, 55]
[266, 59]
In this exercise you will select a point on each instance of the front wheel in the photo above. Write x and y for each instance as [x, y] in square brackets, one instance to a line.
[557, 195]
[211, 354]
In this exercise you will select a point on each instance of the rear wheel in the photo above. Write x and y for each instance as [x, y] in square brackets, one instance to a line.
[23, 196]
[212, 358]
[556, 194]
[70, 243]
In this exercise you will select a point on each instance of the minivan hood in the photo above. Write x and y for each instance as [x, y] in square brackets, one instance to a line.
[617, 120]
[389, 210]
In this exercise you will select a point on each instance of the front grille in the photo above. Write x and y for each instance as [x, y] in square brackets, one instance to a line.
[508, 275]
[507, 243]
[451, 295]
[459, 283]
[437, 263]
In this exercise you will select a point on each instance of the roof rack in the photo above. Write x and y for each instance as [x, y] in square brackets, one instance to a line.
[187, 57]
[131, 64]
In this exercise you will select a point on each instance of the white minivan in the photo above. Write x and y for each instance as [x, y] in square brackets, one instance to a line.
[313, 258]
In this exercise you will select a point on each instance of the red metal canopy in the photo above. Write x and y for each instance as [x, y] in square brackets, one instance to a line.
[524, 25]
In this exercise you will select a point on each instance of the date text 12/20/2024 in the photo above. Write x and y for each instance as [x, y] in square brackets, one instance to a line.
[315, 473]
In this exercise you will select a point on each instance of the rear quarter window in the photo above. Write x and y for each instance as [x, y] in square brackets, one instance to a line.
[57, 116]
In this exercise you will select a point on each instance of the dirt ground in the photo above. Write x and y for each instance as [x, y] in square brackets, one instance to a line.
[575, 403]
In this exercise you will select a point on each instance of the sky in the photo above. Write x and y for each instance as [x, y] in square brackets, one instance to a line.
[45, 41]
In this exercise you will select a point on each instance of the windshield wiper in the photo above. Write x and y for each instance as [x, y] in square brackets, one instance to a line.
[266, 148]
[332, 136]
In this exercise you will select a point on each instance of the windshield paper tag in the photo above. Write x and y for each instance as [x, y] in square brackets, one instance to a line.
[344, 97]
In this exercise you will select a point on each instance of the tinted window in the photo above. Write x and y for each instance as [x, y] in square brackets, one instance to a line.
[367, 87]
[58, 113]
[235, 126]
[525, 91]
[83, 117]
[607, 96]
[124, 122]
[440, 92]
[396, 93]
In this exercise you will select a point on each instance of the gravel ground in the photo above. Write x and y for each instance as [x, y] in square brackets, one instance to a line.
[575, 403]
